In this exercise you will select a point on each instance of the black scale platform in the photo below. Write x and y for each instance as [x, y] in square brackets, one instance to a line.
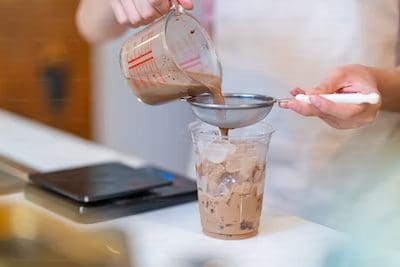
[107, 191]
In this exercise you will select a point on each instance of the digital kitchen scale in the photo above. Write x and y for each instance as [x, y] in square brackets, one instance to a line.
[100, 182]
[97, 193]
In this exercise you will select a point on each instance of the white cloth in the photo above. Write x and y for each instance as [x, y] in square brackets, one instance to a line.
[268, 47]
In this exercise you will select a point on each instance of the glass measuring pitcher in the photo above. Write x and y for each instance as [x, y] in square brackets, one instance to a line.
[171, 58]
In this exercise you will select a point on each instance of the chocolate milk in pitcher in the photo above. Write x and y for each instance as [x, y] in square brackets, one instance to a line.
[170, 59]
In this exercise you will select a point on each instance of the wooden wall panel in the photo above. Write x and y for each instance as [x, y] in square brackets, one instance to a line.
[39, 47]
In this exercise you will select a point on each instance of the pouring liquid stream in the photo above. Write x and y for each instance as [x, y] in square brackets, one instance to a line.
[214, 85]
[208, 83]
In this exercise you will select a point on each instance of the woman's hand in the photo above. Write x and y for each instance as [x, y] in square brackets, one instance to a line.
[345, 79]
[141, 12]
[102, 20]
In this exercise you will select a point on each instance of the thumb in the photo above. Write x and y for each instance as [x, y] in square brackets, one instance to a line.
[329, 86]
[187, 4]
[335, 81]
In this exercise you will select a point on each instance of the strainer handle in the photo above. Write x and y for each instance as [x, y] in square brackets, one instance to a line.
[353, 98]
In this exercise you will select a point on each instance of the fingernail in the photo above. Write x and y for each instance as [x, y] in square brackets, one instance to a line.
[283, 104]
[315, 101]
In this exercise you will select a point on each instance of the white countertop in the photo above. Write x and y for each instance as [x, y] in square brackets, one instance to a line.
[171, 236]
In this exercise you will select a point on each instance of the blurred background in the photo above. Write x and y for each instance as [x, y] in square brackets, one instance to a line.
[48, 73]
[45, 67]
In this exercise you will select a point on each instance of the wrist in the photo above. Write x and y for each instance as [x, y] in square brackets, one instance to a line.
[388, 85]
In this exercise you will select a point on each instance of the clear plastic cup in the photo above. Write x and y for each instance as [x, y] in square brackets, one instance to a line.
[230, 178]
[169, 59]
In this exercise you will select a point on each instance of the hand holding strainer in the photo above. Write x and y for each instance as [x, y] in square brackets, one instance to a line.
[242, 110]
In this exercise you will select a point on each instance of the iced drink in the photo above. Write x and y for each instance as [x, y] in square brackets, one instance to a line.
[231, 175]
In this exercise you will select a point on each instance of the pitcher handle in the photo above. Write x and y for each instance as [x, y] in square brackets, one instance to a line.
[176, 6]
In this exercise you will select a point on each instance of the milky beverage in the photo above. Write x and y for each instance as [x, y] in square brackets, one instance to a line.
[230, 188]
[231, 175]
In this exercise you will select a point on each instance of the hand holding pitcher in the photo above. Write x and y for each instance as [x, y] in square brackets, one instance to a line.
[169, 59]
[141, 12]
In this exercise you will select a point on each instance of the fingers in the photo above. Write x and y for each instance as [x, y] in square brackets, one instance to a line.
[300, 108]
[349, 124]
[340, 111]
[334, 82]
[131, 12]
[341, 116]
[297, 91]
[146, 11]
[326, 87]
[187, 4]
[119, 12]
[162, 6]
[297, 106]
[345, 120]
[322, 107]
[141, 12]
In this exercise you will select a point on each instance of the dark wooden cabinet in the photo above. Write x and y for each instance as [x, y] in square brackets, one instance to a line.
[45, 64]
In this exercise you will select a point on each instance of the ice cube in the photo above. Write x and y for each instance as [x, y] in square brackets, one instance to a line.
[199, 169]
[244, 147]
[223, 189]
[243, 189]
[216, 172]
[246, 188]
[205, 168]
[218, 151]
[202, 184]
[212, 187]
[233, 163]
[258, 175]
[247, 167]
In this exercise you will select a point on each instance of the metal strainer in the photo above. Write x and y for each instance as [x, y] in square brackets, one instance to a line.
[239, 110]
[242, 110]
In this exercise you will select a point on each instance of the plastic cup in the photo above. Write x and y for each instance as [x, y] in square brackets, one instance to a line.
[230, 178]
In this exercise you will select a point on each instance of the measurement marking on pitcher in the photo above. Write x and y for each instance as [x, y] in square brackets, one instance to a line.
[140, 56]
[158, 72]
[141, 63]
[191, 62]
[192, 65]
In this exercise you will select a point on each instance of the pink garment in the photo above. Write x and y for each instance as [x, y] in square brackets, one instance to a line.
[207, 15]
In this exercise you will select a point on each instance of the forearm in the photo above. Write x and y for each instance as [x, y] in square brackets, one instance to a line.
[389, 87]
[96, 21]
